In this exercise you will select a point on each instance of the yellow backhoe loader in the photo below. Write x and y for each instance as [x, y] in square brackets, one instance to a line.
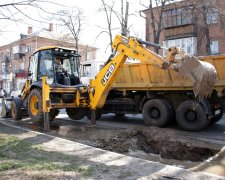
[53, 82]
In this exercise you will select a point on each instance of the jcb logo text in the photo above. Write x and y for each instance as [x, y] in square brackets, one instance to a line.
[108, 74]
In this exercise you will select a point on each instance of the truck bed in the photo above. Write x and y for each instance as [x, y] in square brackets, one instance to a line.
[140, 76]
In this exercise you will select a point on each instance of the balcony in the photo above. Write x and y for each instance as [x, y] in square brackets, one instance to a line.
[180, 31]
[179, 23]
[19, 51]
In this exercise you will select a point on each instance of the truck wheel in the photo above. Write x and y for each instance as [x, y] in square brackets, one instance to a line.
[157, 112]
[53, 113]
[16, 110]
[190, 116]
[75, 113]
[35, 110]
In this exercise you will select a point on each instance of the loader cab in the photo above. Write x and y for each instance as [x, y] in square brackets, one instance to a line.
[60, 65]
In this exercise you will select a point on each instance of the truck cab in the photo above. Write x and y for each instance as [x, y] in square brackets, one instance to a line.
[89, 69]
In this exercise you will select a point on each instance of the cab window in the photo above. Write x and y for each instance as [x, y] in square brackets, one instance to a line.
[45, 64]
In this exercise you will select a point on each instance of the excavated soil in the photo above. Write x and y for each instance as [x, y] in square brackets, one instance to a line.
[149, 143]
[138, 140]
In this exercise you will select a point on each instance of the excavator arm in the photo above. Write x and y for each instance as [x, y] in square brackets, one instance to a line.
[132, 47]
[124, 47]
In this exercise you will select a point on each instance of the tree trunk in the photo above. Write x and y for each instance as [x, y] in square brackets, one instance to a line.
[207, 37]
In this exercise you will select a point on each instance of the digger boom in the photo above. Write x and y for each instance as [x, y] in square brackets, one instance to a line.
[126, 47]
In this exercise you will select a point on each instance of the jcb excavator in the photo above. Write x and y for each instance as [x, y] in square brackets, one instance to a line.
[48, 90]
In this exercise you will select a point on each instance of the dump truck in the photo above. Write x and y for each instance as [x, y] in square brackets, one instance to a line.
[141, 88]
[53, 83]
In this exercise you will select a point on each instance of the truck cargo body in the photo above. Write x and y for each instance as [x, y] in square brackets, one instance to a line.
[136, 84]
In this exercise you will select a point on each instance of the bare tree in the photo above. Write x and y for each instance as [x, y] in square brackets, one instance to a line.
[73, 20]
[15, 10]
[123, 18]
[155, 8]
[108, 10]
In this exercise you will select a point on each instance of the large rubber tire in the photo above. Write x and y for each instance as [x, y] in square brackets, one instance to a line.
[35, 109]
[75, 113]
[157, 112]
[53, 113]
[190, 116]
[16, 111]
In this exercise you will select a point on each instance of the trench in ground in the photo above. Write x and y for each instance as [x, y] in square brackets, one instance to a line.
[145, 143]
[152, 141]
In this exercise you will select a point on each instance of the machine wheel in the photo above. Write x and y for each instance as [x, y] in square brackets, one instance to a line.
[157, 112]
[53, 113]
[75, 113]
[97, 113]
[16, 111]
[35, 110]
[190, 116]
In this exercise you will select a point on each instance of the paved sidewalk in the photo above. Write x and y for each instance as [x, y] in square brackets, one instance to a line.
[117, 164]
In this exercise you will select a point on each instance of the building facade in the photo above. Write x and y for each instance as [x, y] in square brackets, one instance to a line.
[197, 26]
[14, 57]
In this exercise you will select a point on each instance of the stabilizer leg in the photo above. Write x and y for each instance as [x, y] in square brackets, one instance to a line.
[93, 118]
[46, 122]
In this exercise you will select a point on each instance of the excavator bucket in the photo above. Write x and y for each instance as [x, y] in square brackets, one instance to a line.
[202, 74]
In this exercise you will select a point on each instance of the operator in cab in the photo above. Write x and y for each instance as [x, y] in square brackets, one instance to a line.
[61, 74]
[58, 69]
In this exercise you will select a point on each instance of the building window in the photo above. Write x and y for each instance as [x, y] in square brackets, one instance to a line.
[87, 70]
[212, 16]
[29, 49]
[189, 45]
[214, 47]
[177, 17]
[3, 67]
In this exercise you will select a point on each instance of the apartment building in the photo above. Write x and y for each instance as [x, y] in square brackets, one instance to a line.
[14, 57]
[197, 26]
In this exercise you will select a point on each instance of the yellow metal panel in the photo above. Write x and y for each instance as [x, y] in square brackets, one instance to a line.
[54, 47]
[156, 74]
[145, 73]
[45, 94]
[155, 78]
[127, 74]
[220, 67]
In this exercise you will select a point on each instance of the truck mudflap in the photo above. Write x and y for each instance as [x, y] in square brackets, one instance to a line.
[6, 108]
[213, 111]
[217, 110]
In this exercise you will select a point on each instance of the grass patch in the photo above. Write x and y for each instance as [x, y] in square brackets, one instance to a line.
[16, 153]
[9, 165]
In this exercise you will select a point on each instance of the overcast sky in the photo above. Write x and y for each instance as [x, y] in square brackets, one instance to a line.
[94, 20]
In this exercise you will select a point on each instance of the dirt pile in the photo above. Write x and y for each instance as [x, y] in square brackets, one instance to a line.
[153, 142]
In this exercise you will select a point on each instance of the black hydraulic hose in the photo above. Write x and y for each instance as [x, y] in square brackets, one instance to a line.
[150, 44]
